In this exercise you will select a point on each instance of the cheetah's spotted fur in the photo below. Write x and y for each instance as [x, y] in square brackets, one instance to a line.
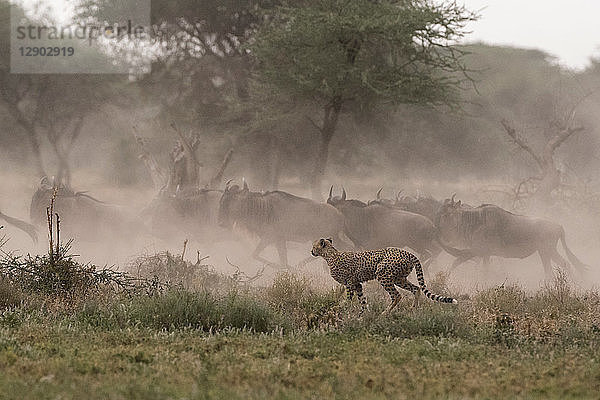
[390, 266]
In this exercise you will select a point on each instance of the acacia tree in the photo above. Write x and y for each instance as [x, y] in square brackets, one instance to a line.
[357, 55]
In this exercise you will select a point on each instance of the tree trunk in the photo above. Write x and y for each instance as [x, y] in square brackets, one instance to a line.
[215, 181]
[550, 181]
[37, 154]
[32, 136]
[330, 120]
[64, 171]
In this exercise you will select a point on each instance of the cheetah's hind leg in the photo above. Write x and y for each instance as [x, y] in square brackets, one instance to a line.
[414, 289]
[392, 305]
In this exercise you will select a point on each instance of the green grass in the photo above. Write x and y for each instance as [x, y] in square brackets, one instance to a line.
[47, 360]
[293, 340]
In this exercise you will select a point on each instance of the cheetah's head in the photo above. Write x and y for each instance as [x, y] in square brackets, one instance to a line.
[320, 246]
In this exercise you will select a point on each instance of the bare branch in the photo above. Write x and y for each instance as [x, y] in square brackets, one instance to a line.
[192, 163]
[159, 178]
[314, 124]
[512, 133]
[214, 182]
[560, 138]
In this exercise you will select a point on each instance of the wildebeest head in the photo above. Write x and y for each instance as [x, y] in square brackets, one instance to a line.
[422, 205]
[336, 200]
[230, 205]
[381, 200]
[342, 203]
[404, 202]
[321, 246]
[449, 214]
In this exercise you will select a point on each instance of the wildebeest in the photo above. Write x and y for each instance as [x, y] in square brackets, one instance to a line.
[278, 217]
[83, 217]
[22, 225]
[422, 205]
[372, 226]
[489, 230]
[186, 214]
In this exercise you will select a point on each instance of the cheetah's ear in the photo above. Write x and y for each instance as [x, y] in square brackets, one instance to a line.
[329, 240]
[322, 242]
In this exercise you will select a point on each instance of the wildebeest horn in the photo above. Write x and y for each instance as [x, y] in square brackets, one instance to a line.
[343, 193]
[398, 194]
[245, 184]
[227, 184]
[453, 196]
[379, 193]
[330, 192]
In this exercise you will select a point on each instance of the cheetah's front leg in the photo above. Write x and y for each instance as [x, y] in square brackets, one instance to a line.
[361, 298]
[356, 288]
[349, 293]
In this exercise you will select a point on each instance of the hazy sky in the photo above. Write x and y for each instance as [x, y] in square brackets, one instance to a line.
[568, 29]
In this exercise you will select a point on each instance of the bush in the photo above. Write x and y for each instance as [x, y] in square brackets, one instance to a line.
[10, 294]
[173, 271]
[59, 275]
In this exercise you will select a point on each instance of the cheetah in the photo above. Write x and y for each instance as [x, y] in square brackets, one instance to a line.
[390, 266]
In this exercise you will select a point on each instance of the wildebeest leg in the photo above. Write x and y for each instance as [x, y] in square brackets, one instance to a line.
[434, 251]
[560, 260]
[547, 264]
[425, 256]
[458, 261]
[346, 243]
[485, 266]
[259, 248]
[282, 250]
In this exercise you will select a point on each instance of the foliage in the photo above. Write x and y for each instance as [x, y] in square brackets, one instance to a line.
[61, 275]
[364, 52]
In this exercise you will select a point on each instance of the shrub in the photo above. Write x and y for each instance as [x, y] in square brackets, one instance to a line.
[61, 276]
[10, 294]
[172, 270]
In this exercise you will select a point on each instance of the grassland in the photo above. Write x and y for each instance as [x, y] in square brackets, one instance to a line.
[217, 337]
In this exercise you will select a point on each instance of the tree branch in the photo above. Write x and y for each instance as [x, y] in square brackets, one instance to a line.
[314, 123]
[214, 182]
[560, 137]
[512, 133]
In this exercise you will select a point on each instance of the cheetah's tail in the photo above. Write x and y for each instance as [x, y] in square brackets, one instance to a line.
[431, 296]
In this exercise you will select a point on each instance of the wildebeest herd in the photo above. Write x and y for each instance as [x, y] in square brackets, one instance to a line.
[422, 224]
